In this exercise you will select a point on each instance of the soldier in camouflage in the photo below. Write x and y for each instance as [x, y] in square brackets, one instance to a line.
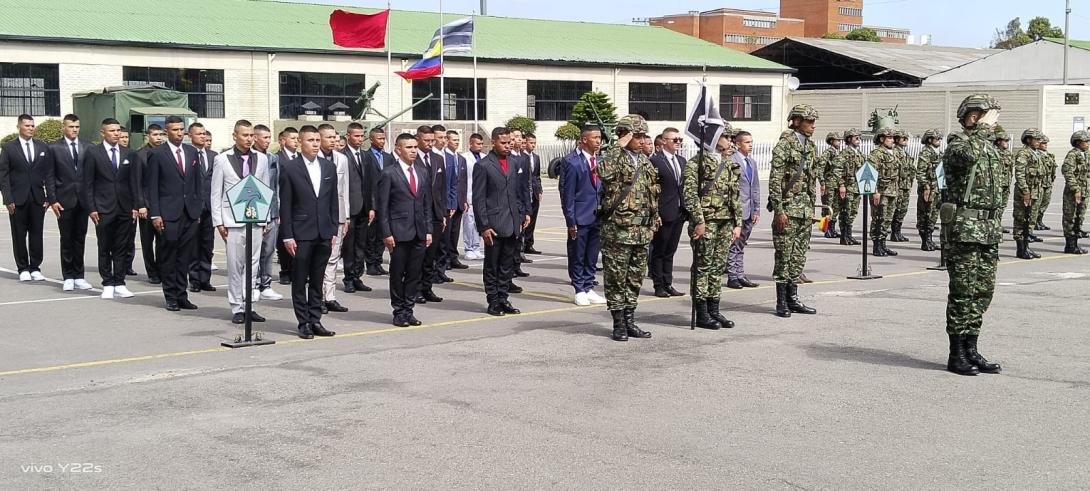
[1048, 177]
[927, 188]
[1076, 172]
[791, 201]
[826, 171]
[974, 212]
[1002, 141]
[888, 165]
[629, 217]
[711, 196]
[1027, 191]
[845, 165]
[904, 185]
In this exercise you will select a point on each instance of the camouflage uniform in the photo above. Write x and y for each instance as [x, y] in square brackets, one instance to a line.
[927, 211]
[1048, 177]
[904, 187]
[825, 169]
[888, 165]
[627, 231]
[711, 196]
[1027, 182]
[974, 214]
[1076, 172]
[794, 154]
[845, 165]
[1006, 157]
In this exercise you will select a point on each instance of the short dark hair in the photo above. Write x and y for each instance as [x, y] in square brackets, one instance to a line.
[261, 127]
[70, 117]
[354, 126]
[528, 135]
[154, 127]
[243, 123]
[499, 131]
[587, 128]
[438, 127]
[670, 129]
[288, 130]
[326, 126]
[377, 130]
[308, 129]
[404, 136]
[452, 132]
[25, 117]
[476, 136]
[195, 125]
[174, 120]
[109, 121]
[738, 136]
[424, 130]
[124, 129]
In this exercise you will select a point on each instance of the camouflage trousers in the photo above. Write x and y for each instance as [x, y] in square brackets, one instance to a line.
[832, 201]
[882, 216]
[1073, 214]
[971, 268]
[711, 257]
[1024, 216]
[791, 245]
[927, 212]
[623, 269]
[848, 208]
[900, 210]
[1046, 199]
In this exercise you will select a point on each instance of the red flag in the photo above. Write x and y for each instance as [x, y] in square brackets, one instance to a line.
[359, 30]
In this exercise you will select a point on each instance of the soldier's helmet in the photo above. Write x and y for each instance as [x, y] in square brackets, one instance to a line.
[729, 131]
[832, 136]
[633, 123]
[931, 135]
[1079, 136]
[1030, 133]
[1044, 138]
[887, 131]
[851, 132]
[982, 102]
[1001, 134]
[804, 111]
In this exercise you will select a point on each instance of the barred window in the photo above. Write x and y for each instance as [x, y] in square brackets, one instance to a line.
[761, 23]
[457, 103]
[745, 102]
[323, 89]
[204, 87]
[847, 27]
[851, 11]
[29, 88]
[746, 39]
[553, 100]
[657, 102]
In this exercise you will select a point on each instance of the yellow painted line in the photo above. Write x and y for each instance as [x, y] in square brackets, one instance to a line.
[114, 361]
[550, 296]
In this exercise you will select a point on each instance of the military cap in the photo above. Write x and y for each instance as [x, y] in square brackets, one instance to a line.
[1079, 136]
[883, 132]
[1044, 138]
[1001, 134]
[931, 134]
[804, 111]
[851, 132]
[1031, 133]
[634, 123]
[983, 102]
[832, 136]
[729, 130]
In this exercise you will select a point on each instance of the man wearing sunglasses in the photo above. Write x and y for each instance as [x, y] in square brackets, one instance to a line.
[670, 167]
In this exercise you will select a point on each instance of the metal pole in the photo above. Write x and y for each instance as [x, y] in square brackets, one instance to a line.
[1067, 36]
[249, 281]
[442, 67]
[484, 7]
[389, 65]
[864, 273]
[473, 47]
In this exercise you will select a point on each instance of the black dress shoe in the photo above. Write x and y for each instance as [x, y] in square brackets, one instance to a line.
[130, 272]
[173, 307]
[195, 288]
[238, 318]
[401, 321]
[186, 305]
[746, 283]
[373, 272]
[521, 274]
[358, 283]
[513, 288]
[382, 271]
[319, 330]
[509, 309]
[496, 310]
[735, 284]
[431, 296]
[673, 292]
[661, 292]
[531, 250]
[305, 332]
[445, 279]
[524, 259]
[325, 310]
[207, 287]
[155, 280]
[349, 287]
[256, 317]
[458, 265]
[335, 306]
[413, 321]
[419, 299]
[285, 279]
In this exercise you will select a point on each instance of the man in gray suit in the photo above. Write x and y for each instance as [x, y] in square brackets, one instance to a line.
[749, 186]
[228, 169]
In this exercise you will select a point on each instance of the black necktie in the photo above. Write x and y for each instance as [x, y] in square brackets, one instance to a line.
[200, 153]
[75, 156]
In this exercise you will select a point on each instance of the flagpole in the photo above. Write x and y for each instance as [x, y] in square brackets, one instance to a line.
[473, 48]
[389, 64]
[442, 68]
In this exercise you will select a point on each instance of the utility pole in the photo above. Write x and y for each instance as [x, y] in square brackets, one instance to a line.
[484, 7]
[1067, 37]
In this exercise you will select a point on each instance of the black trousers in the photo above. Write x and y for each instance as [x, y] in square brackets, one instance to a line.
[282, 256]
[307, 275]
[663, 247]
[26, 236]
[499, 267]
[114, 231]
[373, 248]
[528, 232]
[451, 237]
[148, 237]
[354, 247]
[73, 227]
[431, 258]
[405, 270]
[174, 251]
[200, 267]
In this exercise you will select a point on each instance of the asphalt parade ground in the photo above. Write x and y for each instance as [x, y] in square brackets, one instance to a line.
[99, 394]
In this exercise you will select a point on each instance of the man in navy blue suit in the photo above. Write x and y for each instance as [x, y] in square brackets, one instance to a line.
[579, 186]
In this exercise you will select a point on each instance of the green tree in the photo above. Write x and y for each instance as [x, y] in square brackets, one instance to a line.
[1011, 36]
[47, 131]
[1041, 27]
[863, 34]
[832, 35]
[582, 113]
[567, 132]
[522, 123]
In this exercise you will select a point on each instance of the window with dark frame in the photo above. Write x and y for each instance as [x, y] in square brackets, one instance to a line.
[458, 103]
[553, 100]
[657, 102]
[29, 88]
[204, 87]
[323, 89]
[745, 102]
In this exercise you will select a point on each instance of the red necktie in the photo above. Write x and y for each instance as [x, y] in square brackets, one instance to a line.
[412, 181]
[593, 175]
[181, 166]
[503, 166]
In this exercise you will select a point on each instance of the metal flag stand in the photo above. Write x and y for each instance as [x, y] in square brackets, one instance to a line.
[245, 198]
[867, 180]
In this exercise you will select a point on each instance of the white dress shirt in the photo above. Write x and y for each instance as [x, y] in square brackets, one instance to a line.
[315, 171]
[23, 145]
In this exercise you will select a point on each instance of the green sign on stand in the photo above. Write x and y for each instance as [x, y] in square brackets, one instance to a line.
[250, 200]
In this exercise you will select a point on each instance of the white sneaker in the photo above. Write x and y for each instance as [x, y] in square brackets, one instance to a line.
[82, 284]
[24, 276]
[594, 298]
[214, 267]
[69, 285]
[581, 299]
[121, 291]
[107, 292]
[37, 276]
[270, 294]
[256, 295]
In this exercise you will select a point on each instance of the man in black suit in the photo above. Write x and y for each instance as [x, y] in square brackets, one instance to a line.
[110, 192]
[289, 149]
[529, 144]
[362, 182]
[71, 212]
[155, 137]
[26, 166]
[500, 210]
[200, 269]
[378, 159]
[521, 162]
[457, 204]
[404, 209]
[309, 220]
[670, 167]
[174, 200]
[433, 163]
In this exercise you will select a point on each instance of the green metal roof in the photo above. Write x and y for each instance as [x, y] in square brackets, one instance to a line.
[1074, 43]
[289, 26]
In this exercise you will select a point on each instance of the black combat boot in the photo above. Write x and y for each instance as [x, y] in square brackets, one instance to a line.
[931, 241]
[895, 233]
[974, 357]
[1021, 250]
[781, 301]
[794, 304]
[925, 242]
[1071, 246]
[833, 234]
[878, 250]
[703, 320]
[1035, 238]
[1041, 225]
[1032, 254]
[959, 362]
[851, 240]
[889, 252]
[633, 330]
[619, 331]
[845, 234]
[713, 312]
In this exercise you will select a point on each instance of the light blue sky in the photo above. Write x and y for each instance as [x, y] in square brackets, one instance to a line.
[944, 19]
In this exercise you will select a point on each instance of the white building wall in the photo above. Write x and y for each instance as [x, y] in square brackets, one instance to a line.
[1061, 117]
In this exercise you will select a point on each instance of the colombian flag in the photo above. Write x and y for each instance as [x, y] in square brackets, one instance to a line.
[451, 38]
